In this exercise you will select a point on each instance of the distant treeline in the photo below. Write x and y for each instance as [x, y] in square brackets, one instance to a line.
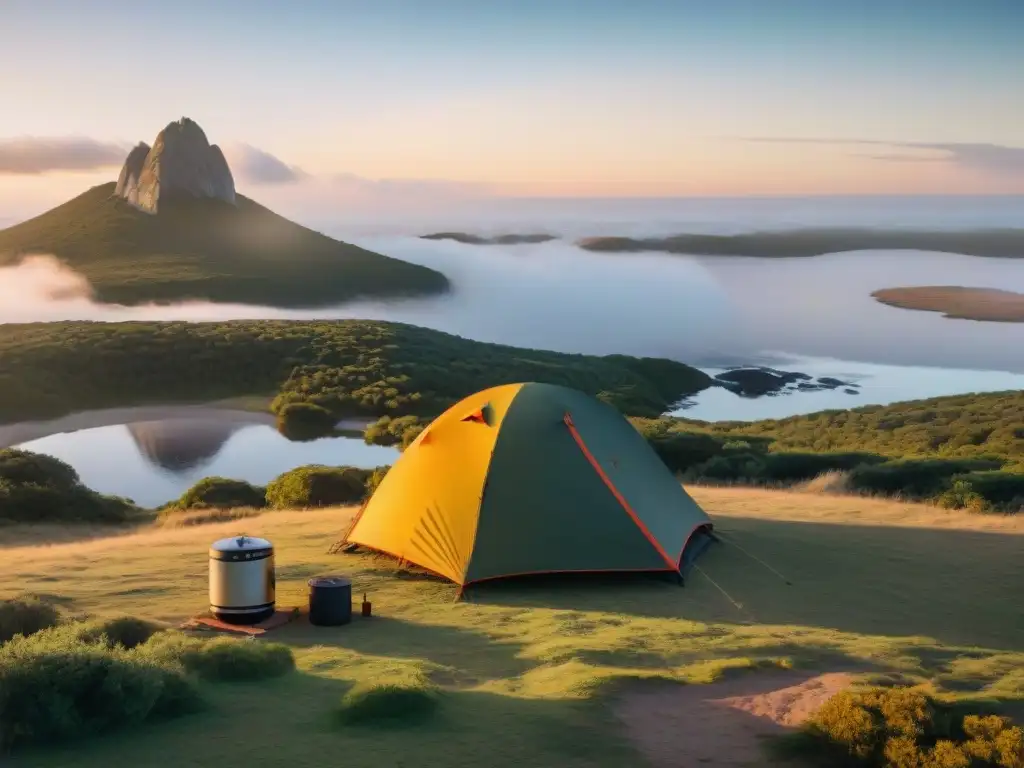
[994, 243]
[335, 369]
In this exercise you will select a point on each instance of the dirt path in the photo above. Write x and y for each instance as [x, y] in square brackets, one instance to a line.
[723, 724]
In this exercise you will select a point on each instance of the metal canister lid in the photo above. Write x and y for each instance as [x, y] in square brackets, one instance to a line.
[329, 581]
[243, 542]
[241, 548]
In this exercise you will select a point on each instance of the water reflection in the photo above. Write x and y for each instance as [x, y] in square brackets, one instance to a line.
[155, 462]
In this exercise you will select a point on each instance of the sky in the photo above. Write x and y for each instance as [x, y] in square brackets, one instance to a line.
[412, 102]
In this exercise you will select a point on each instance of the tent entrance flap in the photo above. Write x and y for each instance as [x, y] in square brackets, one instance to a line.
[669, 561]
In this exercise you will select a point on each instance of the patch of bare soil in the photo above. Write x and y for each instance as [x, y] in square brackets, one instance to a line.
[958, 302]
[723, 724]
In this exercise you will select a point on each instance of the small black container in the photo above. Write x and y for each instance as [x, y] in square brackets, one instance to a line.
[330, 601]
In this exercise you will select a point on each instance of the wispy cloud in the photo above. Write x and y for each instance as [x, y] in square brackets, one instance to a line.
[991, 158]
[35, 155]
[255, 166]
[399, 188]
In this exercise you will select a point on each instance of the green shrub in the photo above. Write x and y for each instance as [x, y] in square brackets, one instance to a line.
[796, 466]
[730, 467]
[222, 659]
[19, 467]
[25, 616]
[679, 450]
[317, 486]
[400, 431]
[375, 479]
[36, 489]
[1002, 489]
[304, 421]
[223, 493]
[387, 704]
[55, 688]
[124, 631]
[915, 478]
[961, 495]
[904, 728]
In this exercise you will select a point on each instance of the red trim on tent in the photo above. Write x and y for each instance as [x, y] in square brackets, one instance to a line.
[356, 519]
[673, 565]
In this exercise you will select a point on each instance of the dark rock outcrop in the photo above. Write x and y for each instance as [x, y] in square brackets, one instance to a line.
[768, 382]
[181, 162]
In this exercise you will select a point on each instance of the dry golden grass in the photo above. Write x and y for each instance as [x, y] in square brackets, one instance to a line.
[48, 535]
[177, 518]
[904, 590]
[834, 482]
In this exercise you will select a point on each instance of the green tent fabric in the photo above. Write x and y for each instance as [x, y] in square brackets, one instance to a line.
[529, 479]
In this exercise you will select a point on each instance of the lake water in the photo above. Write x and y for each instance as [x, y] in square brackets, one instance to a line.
[814, 315]
[154, 462]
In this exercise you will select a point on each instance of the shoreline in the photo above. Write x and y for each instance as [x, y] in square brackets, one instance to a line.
[224, 412]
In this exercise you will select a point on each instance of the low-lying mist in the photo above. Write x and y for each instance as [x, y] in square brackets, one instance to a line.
[551, 296]
[702, 310]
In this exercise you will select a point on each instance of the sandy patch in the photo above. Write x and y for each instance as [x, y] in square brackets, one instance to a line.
[723, 724]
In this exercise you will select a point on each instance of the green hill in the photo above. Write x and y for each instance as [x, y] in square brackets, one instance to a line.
[956, 426]
[207, 249]
[349, 367]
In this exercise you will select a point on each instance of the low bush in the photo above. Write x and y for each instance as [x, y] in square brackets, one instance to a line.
[25, 616]
[400, 431]
[904, 728]
[317, 486]
[961, 495]
[915, 478]
[375, 479]
[124, 631]
[222, 659]
[54, 688]
[223, 493]
[387, 704]
[304, 421]
[36, 489]
[739, 464]
[679, 449]
[1001, 489]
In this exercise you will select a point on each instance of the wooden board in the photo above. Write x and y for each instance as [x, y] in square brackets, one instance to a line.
[212, 623]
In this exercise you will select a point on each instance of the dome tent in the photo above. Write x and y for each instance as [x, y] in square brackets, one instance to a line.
[528, 479]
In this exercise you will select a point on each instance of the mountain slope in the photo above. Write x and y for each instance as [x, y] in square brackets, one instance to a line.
[208, 249]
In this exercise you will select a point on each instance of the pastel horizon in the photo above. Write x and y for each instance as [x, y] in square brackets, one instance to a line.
[394, 105]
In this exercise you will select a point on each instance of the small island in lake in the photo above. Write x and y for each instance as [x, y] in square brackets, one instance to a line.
[957, 302]
[509, 239]
[993, 243]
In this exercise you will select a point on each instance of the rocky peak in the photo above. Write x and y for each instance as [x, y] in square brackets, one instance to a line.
[181, 161]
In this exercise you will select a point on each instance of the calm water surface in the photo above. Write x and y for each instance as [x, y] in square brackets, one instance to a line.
[156, 462]
[814, 315]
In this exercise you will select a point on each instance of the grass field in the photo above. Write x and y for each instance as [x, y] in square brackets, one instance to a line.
[527, 669]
